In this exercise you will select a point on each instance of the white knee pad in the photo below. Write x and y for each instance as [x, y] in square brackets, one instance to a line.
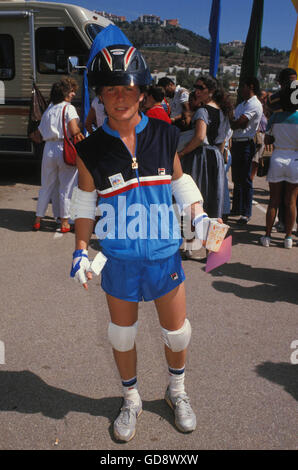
[122, 338]
[177, 340]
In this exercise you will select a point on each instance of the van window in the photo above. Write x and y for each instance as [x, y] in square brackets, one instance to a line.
[53, 47]
[93, 29]
[7, 67]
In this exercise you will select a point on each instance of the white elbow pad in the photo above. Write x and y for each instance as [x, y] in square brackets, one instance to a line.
[83, 204]
[185, 191]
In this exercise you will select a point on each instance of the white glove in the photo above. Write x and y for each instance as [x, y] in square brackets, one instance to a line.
[80, 266]
[201, 223]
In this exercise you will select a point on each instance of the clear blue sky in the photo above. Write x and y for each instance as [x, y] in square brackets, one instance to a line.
[278, 24]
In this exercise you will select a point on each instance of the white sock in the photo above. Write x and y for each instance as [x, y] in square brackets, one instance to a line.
[130, 390]
[176, 381]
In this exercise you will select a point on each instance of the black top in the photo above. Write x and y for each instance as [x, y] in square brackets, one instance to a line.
[214, 122]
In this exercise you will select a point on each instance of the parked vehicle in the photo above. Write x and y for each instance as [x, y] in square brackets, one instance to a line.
[36, 40]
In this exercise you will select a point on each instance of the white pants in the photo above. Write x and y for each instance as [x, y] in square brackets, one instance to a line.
[57, 180]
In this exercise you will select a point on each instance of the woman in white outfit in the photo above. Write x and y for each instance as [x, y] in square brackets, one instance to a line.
[54, 172]
[282, 131]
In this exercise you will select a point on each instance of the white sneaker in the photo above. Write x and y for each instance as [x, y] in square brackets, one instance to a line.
[254, 203]
[288, 243]
[265, 241]
[185, 419]
[125, 423]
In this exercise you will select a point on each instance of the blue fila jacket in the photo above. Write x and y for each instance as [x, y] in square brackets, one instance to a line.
[137, 217]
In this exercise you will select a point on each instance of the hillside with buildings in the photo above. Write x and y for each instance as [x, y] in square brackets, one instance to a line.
[170, 49]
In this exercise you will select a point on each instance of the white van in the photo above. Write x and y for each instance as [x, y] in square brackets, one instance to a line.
[36, 39]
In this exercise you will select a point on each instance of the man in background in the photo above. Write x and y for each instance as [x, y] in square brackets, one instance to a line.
[180, 112]
[245, 125]
[286, 76]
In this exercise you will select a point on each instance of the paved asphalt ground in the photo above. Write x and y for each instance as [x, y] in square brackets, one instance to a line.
[59, 388]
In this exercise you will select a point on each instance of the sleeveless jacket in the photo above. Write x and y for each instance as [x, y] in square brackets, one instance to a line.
[137, 217]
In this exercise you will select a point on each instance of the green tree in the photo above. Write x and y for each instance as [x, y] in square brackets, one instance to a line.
[225, 79]
[185, 79]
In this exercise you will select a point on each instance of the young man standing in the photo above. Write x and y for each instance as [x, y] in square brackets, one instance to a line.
[245, 125]
[132, 161]
[179, 96]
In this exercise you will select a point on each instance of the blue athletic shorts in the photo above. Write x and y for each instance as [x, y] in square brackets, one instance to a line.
[142, 280]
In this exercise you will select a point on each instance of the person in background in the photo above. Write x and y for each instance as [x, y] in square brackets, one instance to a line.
[55, 173]
[153, 104]
[273, 104]
[223, 141]
[244, 125]
[201, 156]
[200, 149]
[96, 115]
[282, 130]
[193, 106]
[178, 102]
[260, 137]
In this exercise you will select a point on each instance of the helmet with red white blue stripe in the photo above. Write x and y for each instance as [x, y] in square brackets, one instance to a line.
[119, 64]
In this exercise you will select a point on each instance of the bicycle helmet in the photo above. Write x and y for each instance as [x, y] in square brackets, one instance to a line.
[119, 64]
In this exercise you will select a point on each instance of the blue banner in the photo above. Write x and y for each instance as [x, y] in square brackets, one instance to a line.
[214, 33]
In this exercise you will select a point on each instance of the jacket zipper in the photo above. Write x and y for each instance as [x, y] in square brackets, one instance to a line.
[135, 167]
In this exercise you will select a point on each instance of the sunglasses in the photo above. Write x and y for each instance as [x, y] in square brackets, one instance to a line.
[200, 87]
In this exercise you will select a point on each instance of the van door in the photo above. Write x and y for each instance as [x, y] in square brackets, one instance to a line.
[16, 78]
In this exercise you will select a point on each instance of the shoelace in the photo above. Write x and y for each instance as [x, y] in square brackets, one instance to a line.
[126, 413]
[187, 408]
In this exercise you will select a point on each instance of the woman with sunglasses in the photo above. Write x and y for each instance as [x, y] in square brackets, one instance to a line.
[202, 156]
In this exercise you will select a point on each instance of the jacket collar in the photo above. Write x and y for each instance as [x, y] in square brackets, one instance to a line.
[139, 127]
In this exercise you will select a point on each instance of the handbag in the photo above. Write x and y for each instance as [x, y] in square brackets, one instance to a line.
[69, 150]
[38, 106]
[263, 166]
